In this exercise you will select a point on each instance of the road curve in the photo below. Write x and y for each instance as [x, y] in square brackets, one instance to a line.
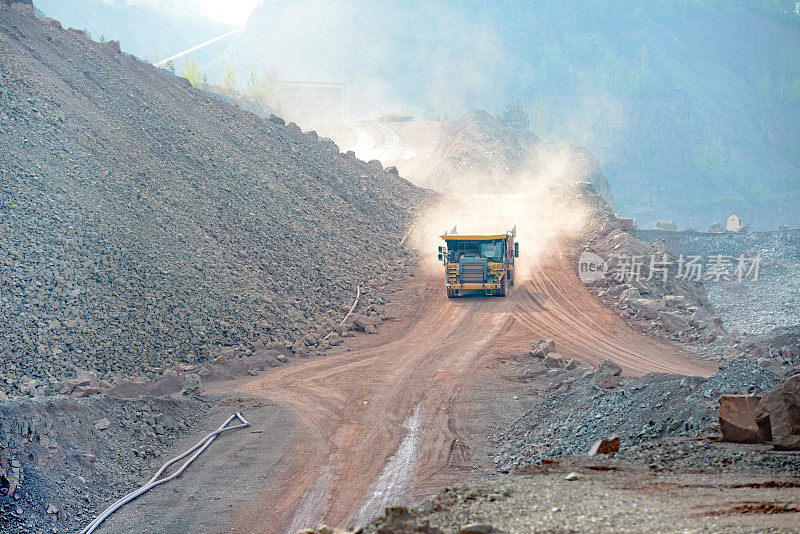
[357, 409]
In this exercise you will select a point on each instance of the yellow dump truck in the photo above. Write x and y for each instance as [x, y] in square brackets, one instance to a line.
[483, 262]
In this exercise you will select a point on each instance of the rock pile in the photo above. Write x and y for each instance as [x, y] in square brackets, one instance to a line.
[573, 410]
[644, 283]
[144, 223]
[544, 350]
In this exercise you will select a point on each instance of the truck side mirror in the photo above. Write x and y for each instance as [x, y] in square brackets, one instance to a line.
[516, 250]
[441, 257]
[441, 249]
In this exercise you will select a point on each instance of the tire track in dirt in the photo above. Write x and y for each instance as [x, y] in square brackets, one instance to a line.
[353, 406]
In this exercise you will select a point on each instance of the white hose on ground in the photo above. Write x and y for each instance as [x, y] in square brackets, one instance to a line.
[407, 233]
[201, 445]
[353, 307]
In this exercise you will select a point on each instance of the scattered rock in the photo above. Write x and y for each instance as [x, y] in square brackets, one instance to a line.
[102, 424]
[52, 22]
[605, 446]
[576, 363]
[191, 385]
[554, 361]
[277, 120]
[299, 348]
[675, 301]
[542, 347]
[607, 380]
[672, 323]
[628, 295]
[648, 308]
[573, 476]
[362, 322]
[113, 47]
[609, 367]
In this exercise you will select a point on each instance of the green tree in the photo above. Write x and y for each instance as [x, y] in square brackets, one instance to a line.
[265, 86]
[192, 72]
[228, 83]
[515, 117]
[171, 66]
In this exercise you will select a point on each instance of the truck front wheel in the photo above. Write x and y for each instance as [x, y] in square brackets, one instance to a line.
[503, 291]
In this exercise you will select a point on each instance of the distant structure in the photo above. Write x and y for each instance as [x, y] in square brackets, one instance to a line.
[313, 102]
[783, 228]
[394, 117]
[716, 228]
[733, 223]
[667, 225]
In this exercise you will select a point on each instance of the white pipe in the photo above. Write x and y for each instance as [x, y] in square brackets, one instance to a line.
[198, 47]
[201, 445]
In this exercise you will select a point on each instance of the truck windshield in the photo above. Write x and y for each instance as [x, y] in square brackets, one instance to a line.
[492, 250]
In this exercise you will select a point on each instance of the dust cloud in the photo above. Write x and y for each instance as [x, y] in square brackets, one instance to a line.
[541, 202]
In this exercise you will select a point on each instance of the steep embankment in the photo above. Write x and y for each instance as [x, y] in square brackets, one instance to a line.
[144, 222]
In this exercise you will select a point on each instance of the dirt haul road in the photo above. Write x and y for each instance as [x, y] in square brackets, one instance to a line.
[385, 422]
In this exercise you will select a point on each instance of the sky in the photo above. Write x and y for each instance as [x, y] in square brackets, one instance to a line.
[233, 12]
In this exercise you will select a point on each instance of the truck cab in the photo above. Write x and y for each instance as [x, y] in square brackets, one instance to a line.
[479, 262]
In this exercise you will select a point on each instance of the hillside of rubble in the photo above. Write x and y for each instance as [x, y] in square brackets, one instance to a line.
[144, 223]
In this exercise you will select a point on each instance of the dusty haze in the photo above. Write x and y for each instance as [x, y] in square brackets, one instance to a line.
[539, 204]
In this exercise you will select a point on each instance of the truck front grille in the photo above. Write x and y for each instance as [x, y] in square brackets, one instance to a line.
[472, 273]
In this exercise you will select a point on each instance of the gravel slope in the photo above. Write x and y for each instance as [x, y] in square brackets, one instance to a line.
[143, 222]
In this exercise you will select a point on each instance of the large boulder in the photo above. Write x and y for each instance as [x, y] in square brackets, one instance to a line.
[608, 375]
[82, 385]
[737, 418]
[363, 323]
[778, 414]
[609, 367]
[542, 347]
[672, 323]
[191, 385]
[629, 294]
[299, 348]
[606, 380]
[554, 361]
[647, 308]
